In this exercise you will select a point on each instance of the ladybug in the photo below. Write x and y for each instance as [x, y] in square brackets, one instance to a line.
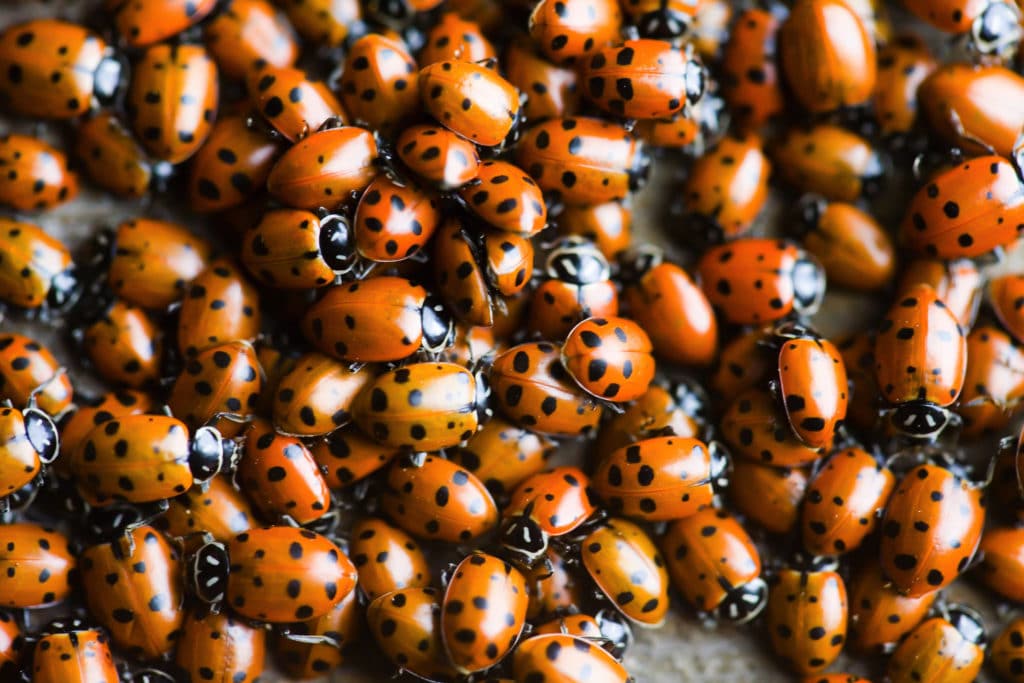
[483, 612]
[502, 455]
[756, 280]
[532, 389]
[727, 187]
[583, 160]
[249, 33]
[959, 102]
[220, 510]
[462, 281]
[220, 643]
[674, 312]
[554, 586]
[755, 425]
[903, 65]
[1003, 293]
[680, 408]
[812, 384]
[36, 270]
[643, 79]
[627, 567]
[112, 159]
[11, 645]
[292, 105]
[993, 383]
[280, 476]
[660, 478]
[830, 161]
[422, 406]
[920, 362]
[72, 651]
[323, 168]
[577, 286]
[1005, 654]
[949, 649]
[743, 363]
[1000, 568]
[566, 30]
[293, 249]
[506, 198]
[668, 19]
[715, 564]
[317, 646]
[346, 456]
[147, 458]
[124, 345]
[582, 625]
[28, 370]
[219, 386]
[750, 78]
[406, 626]
[378, 86]
[438, 156]
[324, 22]
[879, 615]
[302, 575]
[551, 90]
[133, 588]
[231, 166]
[317, 396]
[437, 500]
[827, 55]
[609, 226]
[458, 39]
[470, 99]
[37, 566]
[507, 261]
[958, 284]
[565, 657]
[55, 69]
[36, 175]
[220, 306]
[473, 343]
[382, 318]
[992, 26]
[855, 251]
[92, 412]
[966, 211]
[609, 358]
[394, 221]
[172, 101]
[858, 352]
[545, 505]
[843, 502]
[806, 615]
[142, 23]
[767, 495]
[152, 261]
[931, 528]
[387, 558]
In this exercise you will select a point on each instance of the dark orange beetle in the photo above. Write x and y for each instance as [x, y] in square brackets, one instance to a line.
[231, 166]
[323, 168]
[36, 175]
[470, 99]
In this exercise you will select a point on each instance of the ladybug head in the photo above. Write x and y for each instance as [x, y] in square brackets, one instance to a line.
[718, 469]
[438, 326]
[207, 572]
[968, 623]
[210, 454]
[695, 79]
[65, 289]
[66, 625]
[808, 284]
[920, 419]
[109, 79]
[665, 23]
[392, 13]
[42, 434]
[744, 603]
[615, 630]
[997, 30]
[636, 261]
[483, 395]
[523, 540]
[337, 243]
[577, 261]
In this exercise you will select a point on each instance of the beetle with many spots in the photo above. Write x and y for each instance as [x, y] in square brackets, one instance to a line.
[37, 566]
[566, 657]
[73, 652]
[992, 27]
[407, 628]
[812, 384]
[317, 395]
[879, 615]
[220, 510]
[394, 220]
[750, 78]
[756, 427]
[293, 249]
[387, 558]
[1006, 653]
[944, 648]
[438, 156]
[231, 166]
[502, 455]
[566, 30]
[29, 370]
[378, 84]
[577, 285]
[324, 168]
[290, 102]
[610, 358]
[36, 175]
[36, 270]
[471, 100]
[506, 198]
[220, 643]
[220, 386]
[220, 306]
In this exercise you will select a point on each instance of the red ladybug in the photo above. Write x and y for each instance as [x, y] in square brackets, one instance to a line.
[627, 567]
[220, 386]
[231, 166]
[387, 558]
[28, 441]
[217, 508]
[316, 396]
[768, 496]
[727, 187]
[393, 220]
[221, 306]
[609, 226]
[1003, 294]
[1002, 553]
[755, 425]
[324, 22]
[249, 32]
[1005, 654]
[457, 38]
[920, 362]
[565, 657]
[806, 616]
[460, 276]
[347, 456]
[902, 66]
[755, 280]
[812, 384]
[150, 21]
[879, 615]
[679, 407]
[829, 160]
[406, 626]
[323, 643]
[123, 344]
[55, 69]
[566, 31]
[378, 86]
[502, 455]
[993, 26]
[552, 91]
[931, 529]
[948, 649]
[292, 104]
[854, 249]
[966, 211]
[470, 99]
[438, 156]
[993, 382]
[610, 358]
[74, 652]
[11, 645]
[715, 564]
[303, 574]
[28, 370]
[292, 249]
[506, 198]
[958, 284]
[577, 286]
[323, 168]
[750, 77]
[141, 609]
[37, 566]
[221, 643]
[113, 159]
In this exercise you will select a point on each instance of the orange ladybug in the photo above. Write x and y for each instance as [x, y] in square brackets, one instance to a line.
[323, 168]
[879, 615]
[470, 99]
[378, 85]
[609, 358]
[35, 175]
[316, 396]
[829, 160]
[903, 65]
[293, 249]
[438, 156]
[855, 251]
[231, 166]
[36, 269]
[388, 559]
[757, 428]
[812, 384]
[144, 22]
[768, 496]
[750, 77]
[310, 104]
[947, 648]
[565, 30]
[250, 32]
[629, 569]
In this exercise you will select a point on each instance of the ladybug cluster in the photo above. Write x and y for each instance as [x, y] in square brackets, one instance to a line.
[389, 385]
